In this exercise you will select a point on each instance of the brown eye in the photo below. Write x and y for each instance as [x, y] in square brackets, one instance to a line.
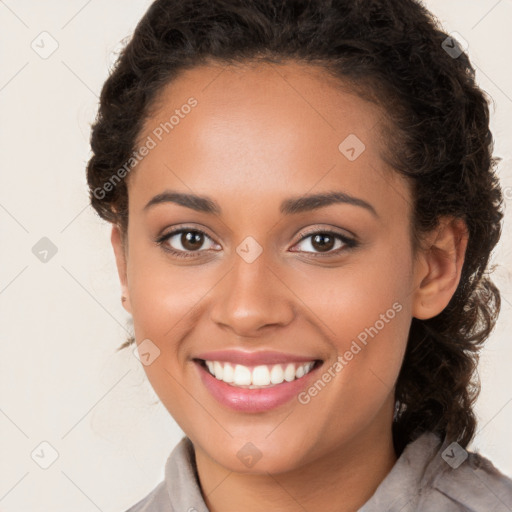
[191, 240]
[185, 242]
[325, 242]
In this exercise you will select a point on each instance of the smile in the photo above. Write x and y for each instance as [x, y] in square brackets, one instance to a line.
[257, 377]
[257, 386]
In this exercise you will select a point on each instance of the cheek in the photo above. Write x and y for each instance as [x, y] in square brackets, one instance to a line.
[162, 296]
[369, 294]
[164, 305]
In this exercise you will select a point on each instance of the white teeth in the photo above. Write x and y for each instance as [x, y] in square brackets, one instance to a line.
[218, 370]
[261, 376]
[276, 374]
[289, 373]
[242, 375]
[229, 373]
[258, 376]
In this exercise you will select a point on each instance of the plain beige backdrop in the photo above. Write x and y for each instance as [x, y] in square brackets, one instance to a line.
[81, 429]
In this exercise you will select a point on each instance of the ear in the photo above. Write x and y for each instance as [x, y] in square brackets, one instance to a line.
[120, 253]
[439, 268]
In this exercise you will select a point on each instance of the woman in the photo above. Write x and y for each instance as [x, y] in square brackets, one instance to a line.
[304, 203]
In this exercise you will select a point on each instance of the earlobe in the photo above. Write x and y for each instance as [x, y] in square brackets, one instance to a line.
[439, 269]
[120, 255]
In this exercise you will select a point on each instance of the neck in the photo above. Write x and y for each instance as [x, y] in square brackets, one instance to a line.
[342, 481]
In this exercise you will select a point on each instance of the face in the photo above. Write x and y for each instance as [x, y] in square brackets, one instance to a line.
[264, 275]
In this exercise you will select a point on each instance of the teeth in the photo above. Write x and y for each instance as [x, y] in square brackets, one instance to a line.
[242, 375]
[229, 373]
[261, 376]
[289, 373]
[218, 370]
[258, 376]
[276, 374]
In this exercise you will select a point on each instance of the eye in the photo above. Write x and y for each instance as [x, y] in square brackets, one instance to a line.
[325, 241]
[187, 241]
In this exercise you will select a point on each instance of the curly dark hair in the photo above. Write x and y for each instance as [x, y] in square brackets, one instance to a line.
[395, 54]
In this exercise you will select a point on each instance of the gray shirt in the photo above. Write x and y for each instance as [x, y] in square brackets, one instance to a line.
[429, 476]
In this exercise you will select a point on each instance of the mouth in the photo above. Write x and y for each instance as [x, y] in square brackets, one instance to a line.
[256, 388]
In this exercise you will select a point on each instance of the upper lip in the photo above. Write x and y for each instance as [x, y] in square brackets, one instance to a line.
[253, 358]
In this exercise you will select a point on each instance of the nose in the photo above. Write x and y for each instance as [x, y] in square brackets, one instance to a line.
[251, 299]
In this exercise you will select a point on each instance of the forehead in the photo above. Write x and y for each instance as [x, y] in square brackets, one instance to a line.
[254, 96]
[272, 129]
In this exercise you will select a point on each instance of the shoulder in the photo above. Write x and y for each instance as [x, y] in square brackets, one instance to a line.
[434, 475]
[470, 481]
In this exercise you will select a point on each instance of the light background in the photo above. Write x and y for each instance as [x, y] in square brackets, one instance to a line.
[61, 380]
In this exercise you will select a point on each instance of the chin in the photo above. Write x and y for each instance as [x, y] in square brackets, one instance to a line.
[256, 456]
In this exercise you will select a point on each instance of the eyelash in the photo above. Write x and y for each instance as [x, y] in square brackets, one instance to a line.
[349, 242]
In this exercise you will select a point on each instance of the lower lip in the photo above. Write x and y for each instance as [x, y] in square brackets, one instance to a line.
[253, 400]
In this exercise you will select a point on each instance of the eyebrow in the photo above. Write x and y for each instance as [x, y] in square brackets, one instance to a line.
[289, 206]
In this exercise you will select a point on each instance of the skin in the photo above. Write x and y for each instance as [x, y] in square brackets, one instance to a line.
[260, 135]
